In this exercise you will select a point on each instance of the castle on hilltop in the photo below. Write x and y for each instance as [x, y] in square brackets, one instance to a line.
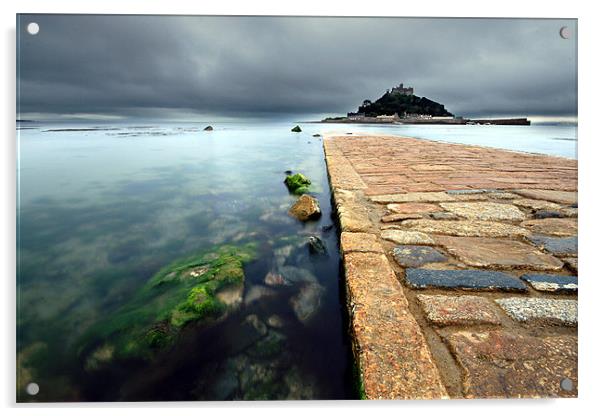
[403, 91]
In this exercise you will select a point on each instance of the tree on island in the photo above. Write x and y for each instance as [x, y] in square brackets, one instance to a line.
[393, 102]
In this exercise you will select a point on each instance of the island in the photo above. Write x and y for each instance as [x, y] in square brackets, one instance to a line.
[400, 105]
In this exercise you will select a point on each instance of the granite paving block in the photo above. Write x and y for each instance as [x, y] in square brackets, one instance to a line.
[459, 310]
[412, 208]
[361, 242]
[561, 197]
[505, 364]
[414, 256]
[406, 237]
[399, 217]
[535, 204]
[561, 227]
[563, 311]
[470, 191]
[572, 263]
[486, 211]
[391, 352]
[497, 252]
[561, 246]
[463, 279]
[413, 197]
[466, 228]
[551, 282]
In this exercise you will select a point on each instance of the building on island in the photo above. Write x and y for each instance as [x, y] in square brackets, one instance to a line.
[403, 91]
[356, 116]
[388, 118]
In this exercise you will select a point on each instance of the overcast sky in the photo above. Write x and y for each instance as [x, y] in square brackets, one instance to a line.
[168, 66]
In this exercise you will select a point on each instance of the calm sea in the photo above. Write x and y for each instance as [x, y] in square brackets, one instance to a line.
[102, 207]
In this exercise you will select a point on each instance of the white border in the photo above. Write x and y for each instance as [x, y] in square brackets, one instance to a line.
[590, 136]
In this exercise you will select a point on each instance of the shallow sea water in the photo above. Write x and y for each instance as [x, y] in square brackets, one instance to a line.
[102, 207]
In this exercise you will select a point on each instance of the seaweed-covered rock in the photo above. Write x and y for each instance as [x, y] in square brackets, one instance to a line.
[198, 289]
[297, 183]
[306, 208]
[296, 129]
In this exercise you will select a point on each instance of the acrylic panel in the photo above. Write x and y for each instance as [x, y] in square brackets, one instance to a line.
[222, 208]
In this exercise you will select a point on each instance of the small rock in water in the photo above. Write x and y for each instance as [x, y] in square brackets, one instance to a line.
[208, 128]
[307, 302]
[317, 246]
[288, 172]
[316, 135]
[296, 129]
[275, 321]
[273, 279]
[306, 208]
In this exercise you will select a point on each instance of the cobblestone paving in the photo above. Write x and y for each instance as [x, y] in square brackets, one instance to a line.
[435, 236]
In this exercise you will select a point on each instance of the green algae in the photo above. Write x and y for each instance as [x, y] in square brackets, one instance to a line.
[297, 183]
[184, 292]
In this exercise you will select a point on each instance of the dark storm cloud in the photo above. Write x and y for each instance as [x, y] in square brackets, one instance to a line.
[244, 66]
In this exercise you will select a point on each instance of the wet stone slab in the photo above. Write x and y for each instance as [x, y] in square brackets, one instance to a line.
[503, 364]
[415, 256]
[561, 227]
[463, 279]
[485, 211]
[561, 246]
[551, 282]
[459, 310]
[498, 253]
[563, 311]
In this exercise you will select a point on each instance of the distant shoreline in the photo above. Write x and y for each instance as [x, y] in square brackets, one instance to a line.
[521, 121]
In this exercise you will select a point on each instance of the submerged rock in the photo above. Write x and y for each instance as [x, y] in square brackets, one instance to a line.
[273, 279]
[256, 293]
[327, 228]
[306, 208]
[257, 324]
[307, 302]
[275, 321]
[296, 129]
[199, 289]
[317, 246]
[297, 183]
[293, 275]
[269, 346]
[208, 128]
